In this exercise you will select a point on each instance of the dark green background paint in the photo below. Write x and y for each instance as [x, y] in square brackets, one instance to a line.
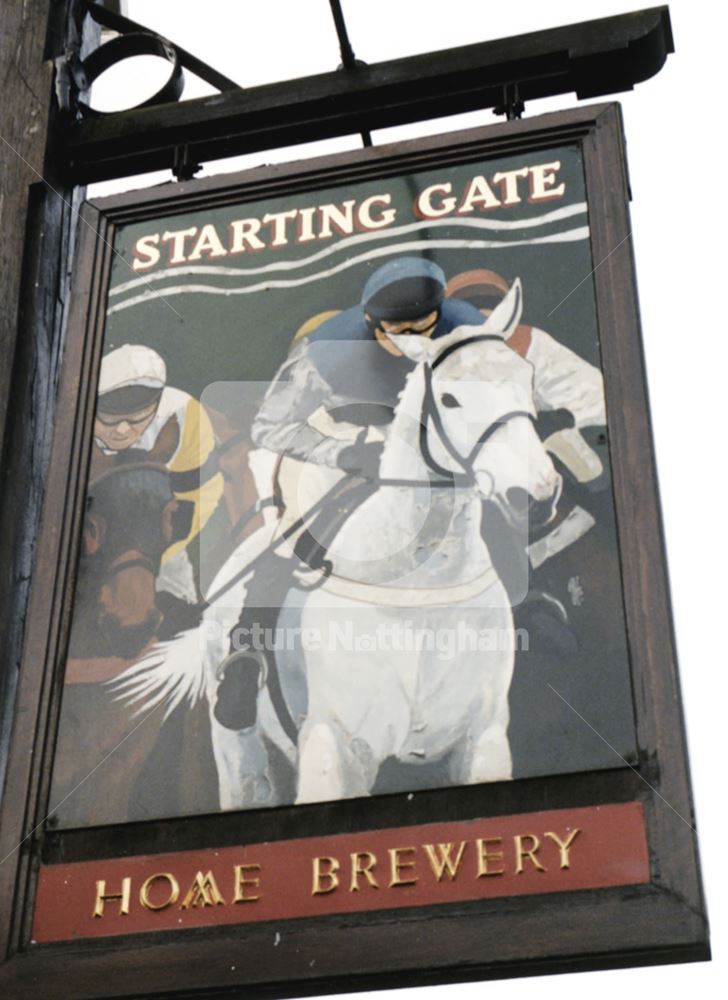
[569, 712]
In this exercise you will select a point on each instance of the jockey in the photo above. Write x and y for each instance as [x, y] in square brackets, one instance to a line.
[343, 370]
[336, 367]
[563, 381]
[335, 373]
[139, 418]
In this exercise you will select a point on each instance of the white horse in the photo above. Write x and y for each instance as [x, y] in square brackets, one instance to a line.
[405, 650]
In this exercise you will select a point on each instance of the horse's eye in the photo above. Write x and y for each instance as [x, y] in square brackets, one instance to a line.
[449, 400]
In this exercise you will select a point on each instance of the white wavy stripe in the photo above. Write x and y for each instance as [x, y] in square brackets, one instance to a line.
[570, 236]
[290, 265]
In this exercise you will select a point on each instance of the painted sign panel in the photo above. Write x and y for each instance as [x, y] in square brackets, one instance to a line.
[349, 525]
[350, 609]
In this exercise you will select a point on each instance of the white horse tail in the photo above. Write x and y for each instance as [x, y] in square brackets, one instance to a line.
[172, 672]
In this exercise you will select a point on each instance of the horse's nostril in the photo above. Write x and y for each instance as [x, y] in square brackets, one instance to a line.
[518, 498]
[128, 640]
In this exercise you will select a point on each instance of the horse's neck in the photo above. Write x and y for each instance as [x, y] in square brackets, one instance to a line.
[401, 457]
[411, 535]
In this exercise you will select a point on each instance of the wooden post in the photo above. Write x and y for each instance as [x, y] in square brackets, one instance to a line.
[36, 226]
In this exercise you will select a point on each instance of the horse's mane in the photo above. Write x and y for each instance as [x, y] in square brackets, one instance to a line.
[131, 499]
[119, 474]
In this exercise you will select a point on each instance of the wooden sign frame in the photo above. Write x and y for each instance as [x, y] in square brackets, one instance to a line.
[659, 919]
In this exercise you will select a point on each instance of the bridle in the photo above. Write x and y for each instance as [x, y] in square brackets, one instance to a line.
[129, 558]
[431, 416]
[120, 564]
[447, 478]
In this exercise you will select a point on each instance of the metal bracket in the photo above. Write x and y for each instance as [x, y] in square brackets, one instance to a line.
[125, 26]
[348, 59]
[593, 59]
[124, 47]
[511, 106]
[75, 75]
[184, 166]
[68, 71]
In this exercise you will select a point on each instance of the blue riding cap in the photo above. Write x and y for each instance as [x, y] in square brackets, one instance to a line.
[404, 288]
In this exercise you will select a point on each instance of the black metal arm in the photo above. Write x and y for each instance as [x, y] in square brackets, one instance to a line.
[591, 59]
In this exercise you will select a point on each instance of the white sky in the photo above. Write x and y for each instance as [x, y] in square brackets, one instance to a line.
[674, 126]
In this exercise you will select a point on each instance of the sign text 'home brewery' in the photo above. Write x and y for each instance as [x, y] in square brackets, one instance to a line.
[555, 851]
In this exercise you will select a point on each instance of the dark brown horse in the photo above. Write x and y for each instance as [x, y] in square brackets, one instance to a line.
[131, 517]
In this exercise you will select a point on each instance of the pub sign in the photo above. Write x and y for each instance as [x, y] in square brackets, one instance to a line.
[349, 640]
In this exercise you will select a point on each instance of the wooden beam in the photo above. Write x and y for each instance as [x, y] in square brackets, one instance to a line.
[591, 59]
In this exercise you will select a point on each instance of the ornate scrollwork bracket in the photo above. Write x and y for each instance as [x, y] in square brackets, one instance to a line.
[134, 39]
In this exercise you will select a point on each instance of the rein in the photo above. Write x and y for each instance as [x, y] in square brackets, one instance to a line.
[138, 561]
[431, 414]
[329, 496]
[446, 477]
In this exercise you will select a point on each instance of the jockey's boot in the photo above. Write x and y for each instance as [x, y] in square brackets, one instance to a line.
[250, 664]
[243, 675]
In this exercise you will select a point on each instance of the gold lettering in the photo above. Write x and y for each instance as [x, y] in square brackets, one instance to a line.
[522, 852]
[102, 895]
[362, 864]
[203, 891]
[144, 893]
[241, 881]
[563, 846]
[397, 864]
[441, 862]
[484, 856]
[319, 874]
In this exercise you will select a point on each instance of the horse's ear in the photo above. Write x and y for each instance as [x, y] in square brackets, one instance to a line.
[177, 518]
[94, 530]
[414, 347]
[507, 314]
